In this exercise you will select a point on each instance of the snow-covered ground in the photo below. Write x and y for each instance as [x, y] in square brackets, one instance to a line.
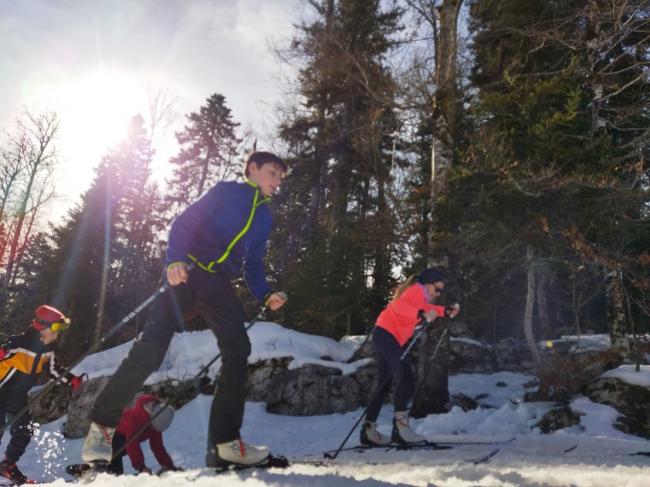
[597, 455]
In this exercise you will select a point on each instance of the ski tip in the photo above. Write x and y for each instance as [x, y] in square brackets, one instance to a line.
[277, 461]
[641, 453]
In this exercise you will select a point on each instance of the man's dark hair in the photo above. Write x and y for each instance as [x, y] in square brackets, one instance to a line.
[260, 158]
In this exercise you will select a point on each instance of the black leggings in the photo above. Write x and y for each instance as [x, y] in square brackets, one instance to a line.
[117, 465]
[21, 433]
[388, 355]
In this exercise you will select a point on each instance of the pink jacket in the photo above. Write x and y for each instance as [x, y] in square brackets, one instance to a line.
[401, 315]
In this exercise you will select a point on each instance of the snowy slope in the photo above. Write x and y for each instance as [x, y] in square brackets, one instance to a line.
[595, 456]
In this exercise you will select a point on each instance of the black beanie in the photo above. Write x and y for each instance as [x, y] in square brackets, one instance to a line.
[431, 275]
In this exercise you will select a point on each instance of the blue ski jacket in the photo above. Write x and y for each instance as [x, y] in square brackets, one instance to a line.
[224, 231]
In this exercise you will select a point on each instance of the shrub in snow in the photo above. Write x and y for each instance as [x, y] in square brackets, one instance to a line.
[563, 375]
[558, 418]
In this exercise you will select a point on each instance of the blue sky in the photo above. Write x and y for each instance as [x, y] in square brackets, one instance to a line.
[92, 61]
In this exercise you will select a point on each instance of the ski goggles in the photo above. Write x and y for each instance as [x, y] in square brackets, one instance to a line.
[58, 325]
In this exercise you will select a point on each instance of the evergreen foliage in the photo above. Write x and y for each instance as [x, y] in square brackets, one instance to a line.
[207, 155]
[106, 258]
[334, 243]
[546, 201]
[557, 161]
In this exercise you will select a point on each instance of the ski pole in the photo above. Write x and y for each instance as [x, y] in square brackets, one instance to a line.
[167, 404]
[52, 382]
[416, 337]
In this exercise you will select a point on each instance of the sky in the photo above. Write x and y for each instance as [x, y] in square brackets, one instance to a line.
[94, 63]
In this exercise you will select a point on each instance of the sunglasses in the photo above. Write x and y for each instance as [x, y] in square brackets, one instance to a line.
[438, 289]
[59, 325]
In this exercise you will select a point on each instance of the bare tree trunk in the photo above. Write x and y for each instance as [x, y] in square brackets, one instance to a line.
[574, 301]
[616, 313]
[542, 306]
[530, 305]
[445, 102]
[101, 306]
[434, 383]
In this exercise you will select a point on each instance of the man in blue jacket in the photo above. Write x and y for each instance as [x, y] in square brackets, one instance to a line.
[210, 243]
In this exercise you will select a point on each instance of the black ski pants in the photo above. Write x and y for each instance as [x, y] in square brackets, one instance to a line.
[21, 431]
[116, 466]
[389, 352]
[212, 295]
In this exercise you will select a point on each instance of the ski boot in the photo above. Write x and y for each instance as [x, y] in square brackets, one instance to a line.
[98, 444]
[402, 432]
[369, 435]
[10, 471]
[239, 453]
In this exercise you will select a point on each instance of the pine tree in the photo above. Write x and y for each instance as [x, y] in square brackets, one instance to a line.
[337, 210]
[209, 145]
[106, 256]
[552, 177]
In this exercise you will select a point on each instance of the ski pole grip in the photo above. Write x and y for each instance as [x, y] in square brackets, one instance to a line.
[423, 318]
[450, 309]
[282, 295]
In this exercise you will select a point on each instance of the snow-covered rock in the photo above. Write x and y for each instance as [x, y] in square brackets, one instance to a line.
[631, 400]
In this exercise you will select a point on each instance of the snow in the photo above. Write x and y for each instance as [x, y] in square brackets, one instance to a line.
[581, 343]
[190, 351]
[629, 375]
[469, 341]
[594, 454]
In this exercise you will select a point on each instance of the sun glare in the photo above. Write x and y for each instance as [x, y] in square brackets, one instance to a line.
[94, 112]
[96, 109]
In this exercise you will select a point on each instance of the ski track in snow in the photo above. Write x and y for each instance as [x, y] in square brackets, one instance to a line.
[601, 457]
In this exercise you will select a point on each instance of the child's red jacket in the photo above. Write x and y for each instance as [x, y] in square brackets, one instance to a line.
[133, 419]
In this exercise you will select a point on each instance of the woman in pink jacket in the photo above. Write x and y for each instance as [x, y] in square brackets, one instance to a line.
[393, 329]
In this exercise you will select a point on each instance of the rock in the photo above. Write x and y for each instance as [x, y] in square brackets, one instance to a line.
[315, 389]
[264, 373]
[470, 356]
[178, 393]
[460, 329]
[632, 401]
[514, 355]
[51, 405]
[466, 403]
[558, 418]
[77, 423]
[365, 350]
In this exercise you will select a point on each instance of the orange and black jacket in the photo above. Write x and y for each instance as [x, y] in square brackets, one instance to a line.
[22, 358]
